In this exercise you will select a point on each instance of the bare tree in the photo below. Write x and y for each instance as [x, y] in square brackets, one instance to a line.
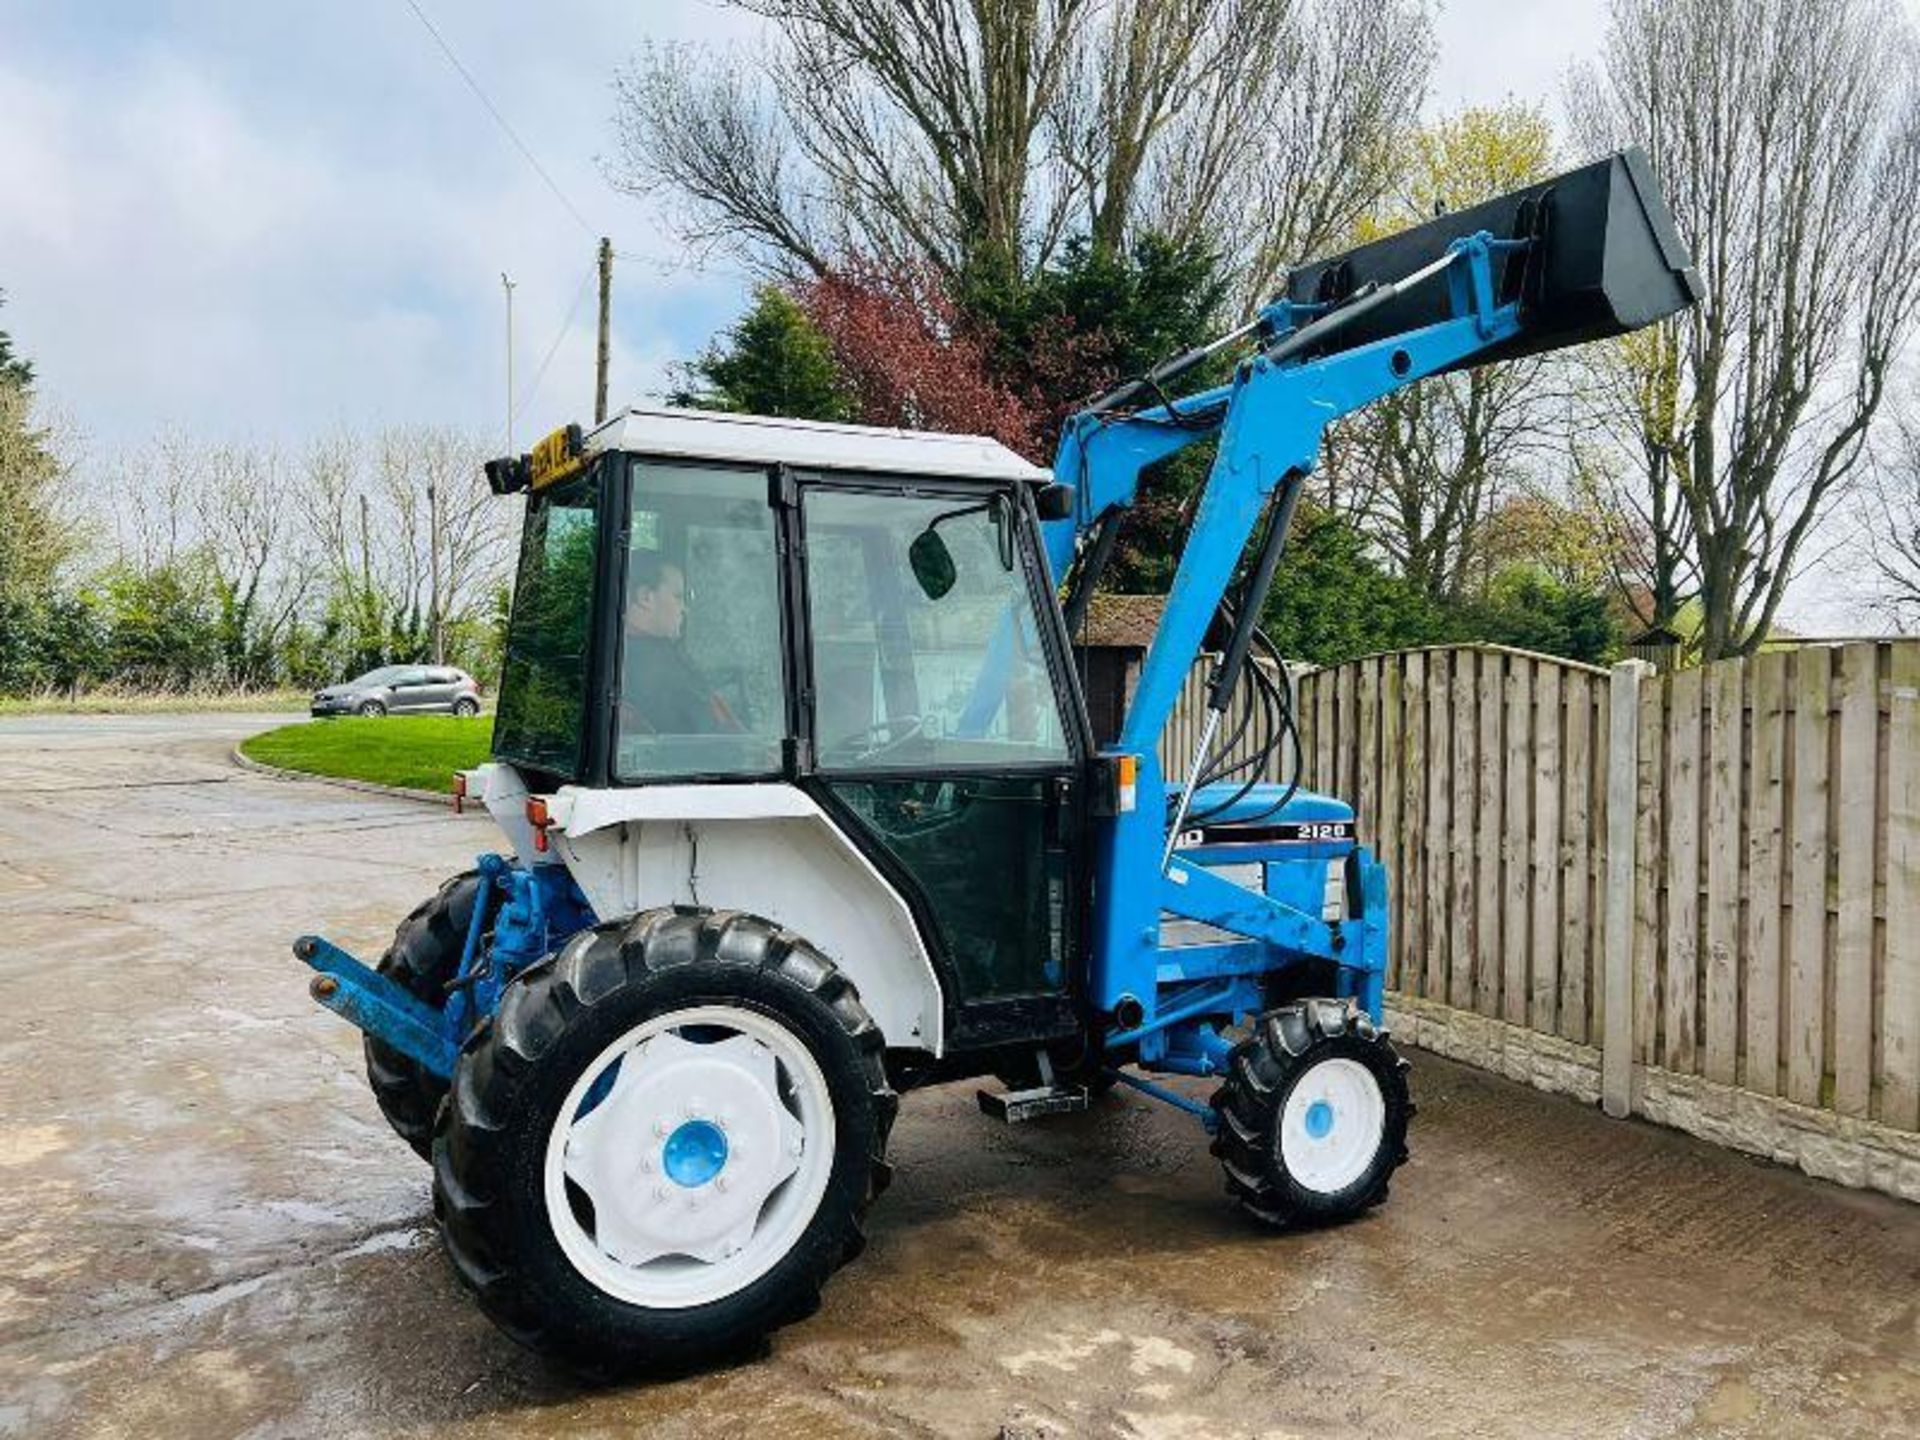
[249, 535]
[1626, 457]
[904, 129]
[1423, 470]
[410, 462]
[1892, 528]
[1787, 136]
[1327, 138]
[976, 136]
[364, 502]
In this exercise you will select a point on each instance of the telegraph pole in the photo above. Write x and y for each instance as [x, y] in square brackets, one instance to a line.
[507, 286]
[606, 306]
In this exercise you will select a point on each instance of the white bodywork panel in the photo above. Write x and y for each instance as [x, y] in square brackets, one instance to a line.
[504, 793]
[810, 444]
[765, 848]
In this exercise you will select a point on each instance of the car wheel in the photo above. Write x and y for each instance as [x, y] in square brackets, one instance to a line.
[370, 708]
[466, 707]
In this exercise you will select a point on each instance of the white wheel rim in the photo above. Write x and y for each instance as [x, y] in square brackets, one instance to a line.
[702, 1159]
[1332, 1126]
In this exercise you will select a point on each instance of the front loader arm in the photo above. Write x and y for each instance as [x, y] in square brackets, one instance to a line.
[1587, 255]
[1270, 419]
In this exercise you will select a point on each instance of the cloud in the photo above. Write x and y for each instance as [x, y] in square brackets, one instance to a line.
[237, 223]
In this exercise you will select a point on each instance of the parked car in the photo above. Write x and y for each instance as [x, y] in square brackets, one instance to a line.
[402, 689]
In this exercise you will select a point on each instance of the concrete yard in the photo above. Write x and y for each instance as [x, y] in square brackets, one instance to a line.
[206, 1229]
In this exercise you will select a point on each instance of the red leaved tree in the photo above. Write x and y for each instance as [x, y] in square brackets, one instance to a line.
[909, 357]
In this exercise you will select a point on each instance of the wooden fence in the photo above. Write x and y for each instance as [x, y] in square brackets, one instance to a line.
[1776, 914]
[1708, 879]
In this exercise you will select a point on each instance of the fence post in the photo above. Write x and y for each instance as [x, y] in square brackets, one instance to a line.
[1623, 790]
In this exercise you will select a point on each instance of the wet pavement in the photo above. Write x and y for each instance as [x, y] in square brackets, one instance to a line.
[206, 1229]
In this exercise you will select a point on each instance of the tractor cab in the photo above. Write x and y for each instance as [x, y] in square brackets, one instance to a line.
[859, 619]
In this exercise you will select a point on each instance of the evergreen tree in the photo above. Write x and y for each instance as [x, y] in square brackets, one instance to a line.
[13, 370]
[774, 361]
[1332, 600]
[1096, 318]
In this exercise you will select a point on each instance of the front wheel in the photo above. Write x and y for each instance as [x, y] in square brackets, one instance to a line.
[371, 708]
[664, 1142]
[1313, 1114]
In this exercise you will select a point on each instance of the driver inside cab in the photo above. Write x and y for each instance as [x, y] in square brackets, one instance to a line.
[662, 691]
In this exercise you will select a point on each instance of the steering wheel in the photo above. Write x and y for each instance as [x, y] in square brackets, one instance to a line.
[898, 729]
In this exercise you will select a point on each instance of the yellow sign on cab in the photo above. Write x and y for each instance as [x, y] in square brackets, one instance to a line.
[559, 455]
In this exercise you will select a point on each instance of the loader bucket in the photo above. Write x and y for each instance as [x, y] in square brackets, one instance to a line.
[1606, 259]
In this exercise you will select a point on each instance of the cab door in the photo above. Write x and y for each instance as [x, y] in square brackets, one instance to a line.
[945, 734]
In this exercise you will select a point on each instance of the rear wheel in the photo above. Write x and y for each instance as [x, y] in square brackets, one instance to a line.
[466, 707]
[424, 958]
[664, 1142]
[1313, 1114]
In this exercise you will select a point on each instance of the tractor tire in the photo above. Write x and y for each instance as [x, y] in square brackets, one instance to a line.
[423, 959]
[370, 709]
[573, 1083]
[1313, 1115]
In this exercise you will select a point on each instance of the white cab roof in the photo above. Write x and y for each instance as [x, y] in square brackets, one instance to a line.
[810, 444]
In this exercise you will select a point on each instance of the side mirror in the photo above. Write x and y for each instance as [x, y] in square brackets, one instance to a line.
[932, 564]
[1054, 501]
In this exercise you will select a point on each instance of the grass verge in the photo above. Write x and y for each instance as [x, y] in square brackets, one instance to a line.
[417, 752]
[109, 701]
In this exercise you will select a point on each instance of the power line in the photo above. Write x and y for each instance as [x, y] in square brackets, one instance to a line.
[553, 186]
[500, 120]
[533, 388]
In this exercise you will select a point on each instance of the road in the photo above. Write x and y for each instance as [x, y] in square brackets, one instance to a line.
[206, 1230]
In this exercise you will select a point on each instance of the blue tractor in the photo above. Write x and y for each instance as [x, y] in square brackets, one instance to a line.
[804, 810]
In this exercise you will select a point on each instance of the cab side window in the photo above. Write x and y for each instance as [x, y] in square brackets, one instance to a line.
[702, 669]
[543, 687]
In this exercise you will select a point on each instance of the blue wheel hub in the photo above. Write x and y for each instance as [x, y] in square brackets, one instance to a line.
[1319, 1120]
[694, 1153]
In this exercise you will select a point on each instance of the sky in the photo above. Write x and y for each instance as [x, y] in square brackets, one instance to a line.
[266, 221]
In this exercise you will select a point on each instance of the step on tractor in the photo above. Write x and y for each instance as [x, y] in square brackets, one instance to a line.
[803, 809]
